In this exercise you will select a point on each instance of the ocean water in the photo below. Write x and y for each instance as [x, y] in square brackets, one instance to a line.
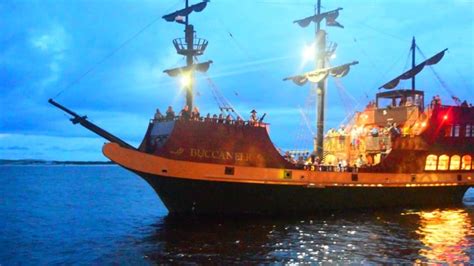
[106, 215]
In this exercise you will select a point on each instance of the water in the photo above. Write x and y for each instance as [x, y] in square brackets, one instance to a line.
[106, 215]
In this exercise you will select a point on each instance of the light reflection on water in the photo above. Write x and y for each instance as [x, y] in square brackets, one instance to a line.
[402, 236]
[106, 215]
[445, 235]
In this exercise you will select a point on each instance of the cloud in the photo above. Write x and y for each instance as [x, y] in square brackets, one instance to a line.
[52, 42]
[47, 45]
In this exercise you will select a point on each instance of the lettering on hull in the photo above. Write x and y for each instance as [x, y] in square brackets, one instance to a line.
[224, 155]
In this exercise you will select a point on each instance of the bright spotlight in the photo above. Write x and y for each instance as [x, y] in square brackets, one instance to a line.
[185, 80]
[309, 52]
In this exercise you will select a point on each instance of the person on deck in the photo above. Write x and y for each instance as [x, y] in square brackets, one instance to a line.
[253, 117]
[195, 115]
[359, 162]
[300, 162]
[228, 119]
[342, 130]
[344, 165]
[169, 113]
[208, 117]
[184, 114]
[394, 131]
[403, 101]
[158, 116]
[433, 102]
[374, 131]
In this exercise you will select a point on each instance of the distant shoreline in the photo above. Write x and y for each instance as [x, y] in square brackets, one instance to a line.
[46, 162]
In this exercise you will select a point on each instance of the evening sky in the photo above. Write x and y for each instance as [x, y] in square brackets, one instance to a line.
[45, 46]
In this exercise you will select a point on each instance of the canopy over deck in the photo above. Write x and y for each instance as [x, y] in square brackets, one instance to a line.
[405, 97]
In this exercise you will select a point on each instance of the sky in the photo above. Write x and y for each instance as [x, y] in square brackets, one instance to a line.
[106, 58]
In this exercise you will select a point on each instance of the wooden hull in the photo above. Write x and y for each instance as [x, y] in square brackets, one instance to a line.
[187, 187]
[185, 196]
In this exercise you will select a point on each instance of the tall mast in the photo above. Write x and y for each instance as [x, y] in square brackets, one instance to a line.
[190, 47]
[319, 76]
[413, 47]
[189, 37]
[321, 85]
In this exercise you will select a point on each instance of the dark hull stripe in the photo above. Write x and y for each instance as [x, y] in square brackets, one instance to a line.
[185, 196]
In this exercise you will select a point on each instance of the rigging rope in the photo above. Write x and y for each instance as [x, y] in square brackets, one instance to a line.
[224, 105]
[441, 81]
[108, 56]
[306, 121]
[348, 101]
[382, 32]
[407, 60]
[222, 102]
[303, 140]
[377, 83]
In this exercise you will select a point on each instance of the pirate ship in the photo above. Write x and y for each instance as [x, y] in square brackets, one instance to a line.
[396, 152]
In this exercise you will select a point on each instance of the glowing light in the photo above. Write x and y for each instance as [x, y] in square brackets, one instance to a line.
[445, 117]
[445, 234]
[423, 124]
[185, 80]
[309, 53]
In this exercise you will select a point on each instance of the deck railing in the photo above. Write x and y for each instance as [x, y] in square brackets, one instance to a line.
[214, 120]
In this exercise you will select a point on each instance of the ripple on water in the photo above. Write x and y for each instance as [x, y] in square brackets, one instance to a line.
[96, 215]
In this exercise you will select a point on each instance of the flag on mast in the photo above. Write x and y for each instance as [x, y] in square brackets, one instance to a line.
[331, 19]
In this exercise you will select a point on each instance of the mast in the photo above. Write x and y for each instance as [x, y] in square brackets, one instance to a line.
[319, 76]
[190, 47]
[413, 47]
[321, 85]
[415, 69]
[189, 37]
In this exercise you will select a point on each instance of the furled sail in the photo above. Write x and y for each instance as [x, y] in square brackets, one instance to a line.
[201, 67]
[321, 74]
[414, 71]
[329, 16]
[177, 15]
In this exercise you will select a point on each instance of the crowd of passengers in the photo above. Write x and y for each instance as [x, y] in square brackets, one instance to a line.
[194, 115]
[355, 132]
[407, 101]
[436, 101]
[314, 163]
